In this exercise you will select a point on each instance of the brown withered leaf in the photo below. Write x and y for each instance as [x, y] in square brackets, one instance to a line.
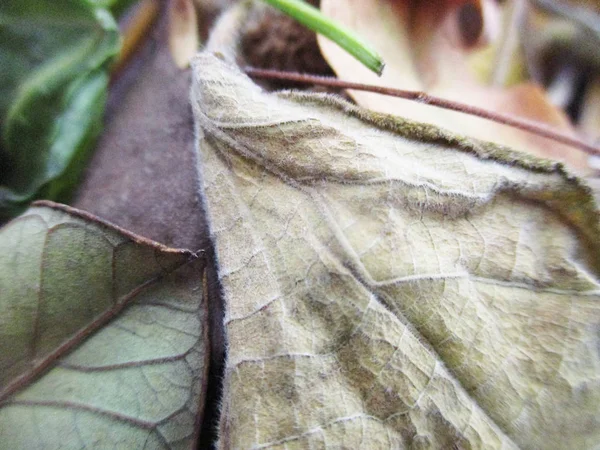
[389, 284]
[418, 42]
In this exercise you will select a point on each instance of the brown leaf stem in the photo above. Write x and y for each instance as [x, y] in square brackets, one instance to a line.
[421, 97]
[135, 31]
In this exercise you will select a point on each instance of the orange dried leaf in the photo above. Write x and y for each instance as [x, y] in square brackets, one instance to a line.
[423, 48]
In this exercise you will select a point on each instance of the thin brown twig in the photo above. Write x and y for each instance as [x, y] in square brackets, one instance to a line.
[421, 97]
[135, 32]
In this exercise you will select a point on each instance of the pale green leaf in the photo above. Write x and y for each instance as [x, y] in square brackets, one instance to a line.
[102, 336]
[392, 285]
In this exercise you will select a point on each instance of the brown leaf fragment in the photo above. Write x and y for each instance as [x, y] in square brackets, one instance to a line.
[271, 39]
[423, 49]
[590, 111]
[144, 177]
[184, 39]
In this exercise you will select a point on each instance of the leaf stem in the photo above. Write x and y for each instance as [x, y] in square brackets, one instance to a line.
[520, 123]
[312, 18]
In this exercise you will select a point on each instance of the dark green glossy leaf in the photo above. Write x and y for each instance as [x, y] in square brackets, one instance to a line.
[54, 57]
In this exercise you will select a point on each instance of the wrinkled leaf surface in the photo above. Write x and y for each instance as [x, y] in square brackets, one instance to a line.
[391, 285]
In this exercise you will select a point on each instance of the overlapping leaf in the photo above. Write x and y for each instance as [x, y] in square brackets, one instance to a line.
[119, 320]
[391, 285]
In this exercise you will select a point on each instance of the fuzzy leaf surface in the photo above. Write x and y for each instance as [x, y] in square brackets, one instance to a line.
[389, 284]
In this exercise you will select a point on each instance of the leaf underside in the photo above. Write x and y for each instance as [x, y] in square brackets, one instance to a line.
[139, 380]
[389, 284]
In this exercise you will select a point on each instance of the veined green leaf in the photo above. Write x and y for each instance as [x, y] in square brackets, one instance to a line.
[102, 336]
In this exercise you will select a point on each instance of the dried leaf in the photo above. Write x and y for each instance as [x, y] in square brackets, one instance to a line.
[183, 32]
[413, 38]
[140, 380]
[389, 284]
[562, 44]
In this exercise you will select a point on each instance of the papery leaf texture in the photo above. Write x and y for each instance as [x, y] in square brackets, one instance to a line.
[103, 336]
[389, 284]
[54, 57]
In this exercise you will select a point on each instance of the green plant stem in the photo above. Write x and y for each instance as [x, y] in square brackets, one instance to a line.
[312, 18]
